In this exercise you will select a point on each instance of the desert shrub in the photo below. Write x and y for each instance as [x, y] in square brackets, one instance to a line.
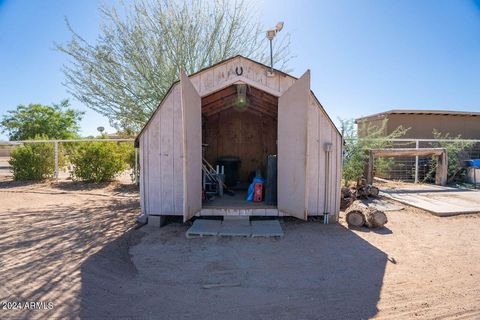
[456, 152]
[33, 161]
[127, 151]
[355, 155]
[97, 162]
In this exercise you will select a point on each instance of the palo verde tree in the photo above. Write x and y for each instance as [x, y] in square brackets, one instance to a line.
[57, 121]
[143, 46]
[355, 156]
[456, 151]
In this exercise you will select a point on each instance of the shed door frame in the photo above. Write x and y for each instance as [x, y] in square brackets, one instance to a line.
[292, 148]
[192, 148]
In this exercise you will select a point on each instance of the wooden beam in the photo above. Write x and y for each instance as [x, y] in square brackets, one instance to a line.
[371, 159]
[408, 152]
[228, 91]
[441, 173]
[264, 105]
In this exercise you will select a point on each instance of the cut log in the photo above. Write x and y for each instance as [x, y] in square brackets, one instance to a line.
[375, 218]
[373, 191]
[347, 198]
[360, 214]
[355, 218]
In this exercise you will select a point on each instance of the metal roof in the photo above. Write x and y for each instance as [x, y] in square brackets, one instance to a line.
[427, 112]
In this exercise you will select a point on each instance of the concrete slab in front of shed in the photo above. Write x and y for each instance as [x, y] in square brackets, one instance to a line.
[267, 228]
[204, 227]
[235, 227]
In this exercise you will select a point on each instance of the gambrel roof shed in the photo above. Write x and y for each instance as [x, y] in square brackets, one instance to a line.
[282, 117]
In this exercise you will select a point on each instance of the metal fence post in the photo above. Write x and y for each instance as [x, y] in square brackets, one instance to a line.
[136, 166]
[56, 159]
[417, 143]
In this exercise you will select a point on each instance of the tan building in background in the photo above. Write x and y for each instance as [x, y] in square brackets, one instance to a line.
[423, 122]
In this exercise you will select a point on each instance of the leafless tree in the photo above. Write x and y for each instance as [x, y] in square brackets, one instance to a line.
[143, 46]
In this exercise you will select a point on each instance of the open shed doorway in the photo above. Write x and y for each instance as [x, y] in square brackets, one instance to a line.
[239, 131]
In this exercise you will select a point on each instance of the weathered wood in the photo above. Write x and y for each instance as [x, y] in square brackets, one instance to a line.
[371, 161]
[192, 147]
[441, 173]
[440, 153]
[375, 218]
[347, 198]
[312, 160]
[355, 218]
[247, 135]
[177, 152]
[292, 147]
[407, 152]
[156, 153]
[373, 191]
[370, 216]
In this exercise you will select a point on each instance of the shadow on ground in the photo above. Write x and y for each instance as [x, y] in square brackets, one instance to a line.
[314, 272]
[42, 250]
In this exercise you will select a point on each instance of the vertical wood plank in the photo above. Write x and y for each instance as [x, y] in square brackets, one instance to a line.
[192, 146]
[370, 167]
[219, 74]
[146, 175]
[154, 151]
[166, 169]
[177, 152]
[292, 145]
[142, 173]
[324, 134]
[338, 180]
[312, 158]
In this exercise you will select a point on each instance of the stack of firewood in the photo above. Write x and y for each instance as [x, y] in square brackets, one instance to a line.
[362, 190]
[359, 214]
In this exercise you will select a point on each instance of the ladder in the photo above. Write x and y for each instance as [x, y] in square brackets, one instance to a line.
[212, 179]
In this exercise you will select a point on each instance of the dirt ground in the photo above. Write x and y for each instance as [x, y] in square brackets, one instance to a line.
[76, 246]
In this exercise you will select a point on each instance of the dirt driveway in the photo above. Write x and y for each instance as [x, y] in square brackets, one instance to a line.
[75, 246]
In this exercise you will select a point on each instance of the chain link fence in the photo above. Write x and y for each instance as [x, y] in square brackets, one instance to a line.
[62, 150]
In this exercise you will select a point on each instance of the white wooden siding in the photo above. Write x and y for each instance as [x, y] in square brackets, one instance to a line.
[321, 131]
[161, 152]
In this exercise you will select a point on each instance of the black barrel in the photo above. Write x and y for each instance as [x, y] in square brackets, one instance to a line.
[271, 181]
[232, 168]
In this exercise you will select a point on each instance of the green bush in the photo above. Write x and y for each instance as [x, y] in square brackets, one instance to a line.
[456, 155]
[355, 157]
[33, 161]
[97, 162]
[127, 150]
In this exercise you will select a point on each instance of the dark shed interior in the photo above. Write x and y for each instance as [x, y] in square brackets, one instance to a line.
[244, 130]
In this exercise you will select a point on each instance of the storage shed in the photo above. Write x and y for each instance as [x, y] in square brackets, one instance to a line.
[242, 110]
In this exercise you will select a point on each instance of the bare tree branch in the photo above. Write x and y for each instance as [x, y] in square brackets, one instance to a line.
[138, 55]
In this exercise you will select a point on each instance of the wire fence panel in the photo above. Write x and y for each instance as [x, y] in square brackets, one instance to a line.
[418, 169]
[62, 152]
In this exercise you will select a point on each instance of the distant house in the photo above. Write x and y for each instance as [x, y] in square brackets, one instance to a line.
[423, 122]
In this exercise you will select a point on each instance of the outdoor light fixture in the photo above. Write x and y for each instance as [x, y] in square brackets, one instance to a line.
[241, 101]
[270, 35]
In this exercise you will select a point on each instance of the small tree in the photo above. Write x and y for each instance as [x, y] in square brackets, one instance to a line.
[97, 162]
[455, 152]
[355, 156]
[57, 121]
[142, 47]
[33, 161]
